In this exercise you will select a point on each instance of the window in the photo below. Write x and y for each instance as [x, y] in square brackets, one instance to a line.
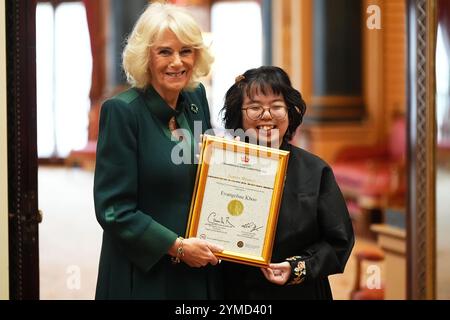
[236, 29]
[63, 70]
[442, 91]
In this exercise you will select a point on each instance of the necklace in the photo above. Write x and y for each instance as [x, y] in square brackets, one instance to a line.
[172, 124]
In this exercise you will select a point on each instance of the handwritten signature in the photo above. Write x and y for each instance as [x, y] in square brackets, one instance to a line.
[252, 226]
[216, 219]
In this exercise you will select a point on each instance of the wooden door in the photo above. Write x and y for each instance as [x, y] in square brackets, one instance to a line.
[22, 150]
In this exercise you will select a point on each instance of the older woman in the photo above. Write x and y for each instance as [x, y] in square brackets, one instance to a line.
[142, 191]
[314, 234]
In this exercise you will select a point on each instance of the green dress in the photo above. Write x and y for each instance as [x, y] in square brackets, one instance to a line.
[142, 197]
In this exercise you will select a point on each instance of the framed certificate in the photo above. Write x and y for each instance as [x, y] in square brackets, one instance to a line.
[237, 198]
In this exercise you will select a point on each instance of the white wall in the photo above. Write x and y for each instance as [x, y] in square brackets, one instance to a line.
[4, 277]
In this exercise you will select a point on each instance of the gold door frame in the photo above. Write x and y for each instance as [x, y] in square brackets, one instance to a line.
[421, 233]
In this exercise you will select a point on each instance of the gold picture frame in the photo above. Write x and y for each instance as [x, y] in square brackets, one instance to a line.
[237, 197]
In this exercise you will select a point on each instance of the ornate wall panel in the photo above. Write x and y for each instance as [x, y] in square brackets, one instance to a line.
[421, 127]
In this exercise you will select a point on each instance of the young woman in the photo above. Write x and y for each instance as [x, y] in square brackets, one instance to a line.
[314, 234]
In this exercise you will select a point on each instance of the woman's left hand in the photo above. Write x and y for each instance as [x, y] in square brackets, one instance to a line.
[277, 273]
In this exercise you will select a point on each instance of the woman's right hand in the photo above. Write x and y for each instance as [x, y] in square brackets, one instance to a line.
[198, 253]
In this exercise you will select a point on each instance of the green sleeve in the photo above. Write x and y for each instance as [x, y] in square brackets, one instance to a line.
[142, 239]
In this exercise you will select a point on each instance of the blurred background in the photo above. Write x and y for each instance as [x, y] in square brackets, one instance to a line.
[348, 59]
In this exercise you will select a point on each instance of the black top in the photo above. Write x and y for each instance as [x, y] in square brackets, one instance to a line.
[313, 223]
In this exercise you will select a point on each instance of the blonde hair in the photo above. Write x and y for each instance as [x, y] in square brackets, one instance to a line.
[151, 24]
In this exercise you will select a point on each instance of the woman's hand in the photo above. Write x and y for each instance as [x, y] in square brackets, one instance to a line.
[198, 252]
[277, 273]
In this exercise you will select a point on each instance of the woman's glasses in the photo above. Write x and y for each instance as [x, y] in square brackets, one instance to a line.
[257, 112]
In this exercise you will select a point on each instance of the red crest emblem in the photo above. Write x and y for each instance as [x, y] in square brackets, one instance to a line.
[245, 159]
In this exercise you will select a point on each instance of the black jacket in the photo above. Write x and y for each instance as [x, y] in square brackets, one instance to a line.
[313, 223]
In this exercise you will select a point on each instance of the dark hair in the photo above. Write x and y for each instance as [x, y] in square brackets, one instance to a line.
[265, 80]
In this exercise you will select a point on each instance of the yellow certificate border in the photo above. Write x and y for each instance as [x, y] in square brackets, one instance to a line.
[210, 142]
